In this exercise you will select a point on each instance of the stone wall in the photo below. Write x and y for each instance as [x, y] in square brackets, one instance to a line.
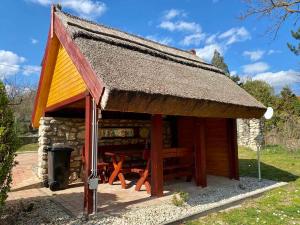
[71, 132]
[250, 133]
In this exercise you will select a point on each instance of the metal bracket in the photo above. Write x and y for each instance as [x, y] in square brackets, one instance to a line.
[93, 183]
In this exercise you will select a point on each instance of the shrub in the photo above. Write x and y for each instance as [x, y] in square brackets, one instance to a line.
[7, 144]
[180, 198]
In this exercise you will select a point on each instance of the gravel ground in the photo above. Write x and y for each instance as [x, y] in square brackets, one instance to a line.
[35, 212]
[200, 199]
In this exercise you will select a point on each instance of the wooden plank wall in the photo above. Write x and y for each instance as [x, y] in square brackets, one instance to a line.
[217, 153]
[66, 82]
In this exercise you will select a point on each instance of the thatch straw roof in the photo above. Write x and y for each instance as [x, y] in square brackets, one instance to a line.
[140, 75]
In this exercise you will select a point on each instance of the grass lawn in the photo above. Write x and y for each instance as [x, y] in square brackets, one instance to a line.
[279, 206]
[28, 148]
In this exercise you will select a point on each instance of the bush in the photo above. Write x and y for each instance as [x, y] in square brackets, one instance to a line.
[7, 144]
[180, 198]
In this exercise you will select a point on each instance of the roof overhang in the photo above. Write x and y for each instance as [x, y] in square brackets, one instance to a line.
[125, 101]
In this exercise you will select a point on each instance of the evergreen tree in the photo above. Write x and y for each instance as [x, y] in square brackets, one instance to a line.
[218, 61]
[295, 49]
[7, 144]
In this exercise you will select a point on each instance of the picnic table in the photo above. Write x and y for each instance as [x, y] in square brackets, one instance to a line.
[118, 160]
[173, 170]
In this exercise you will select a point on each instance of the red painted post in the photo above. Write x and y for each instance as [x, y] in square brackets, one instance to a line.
[88, 194]
[200, 152]
[232, 149]
[156, 155]
[236, 174]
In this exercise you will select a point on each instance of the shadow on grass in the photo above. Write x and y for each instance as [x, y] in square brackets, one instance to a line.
[248, 167]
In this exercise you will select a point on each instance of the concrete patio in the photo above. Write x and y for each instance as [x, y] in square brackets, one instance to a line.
[116, 203]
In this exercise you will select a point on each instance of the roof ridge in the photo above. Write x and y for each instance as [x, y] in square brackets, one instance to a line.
[139, 37]
[131, 34]
[167, 56]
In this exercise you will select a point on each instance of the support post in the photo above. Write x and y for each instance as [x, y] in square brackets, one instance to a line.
[88, 194]
[156, 155]
[200, 152]
[233, 159]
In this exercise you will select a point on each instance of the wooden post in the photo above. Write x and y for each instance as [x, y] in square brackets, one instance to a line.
[233, 159]
[88, 194]
[200, 152]
[156, 155]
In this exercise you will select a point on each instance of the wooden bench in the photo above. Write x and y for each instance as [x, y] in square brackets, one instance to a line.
[178, 162]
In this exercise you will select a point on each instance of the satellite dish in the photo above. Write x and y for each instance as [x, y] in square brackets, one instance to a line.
[269, 113]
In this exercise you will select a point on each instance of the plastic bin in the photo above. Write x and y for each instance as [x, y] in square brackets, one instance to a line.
[58, 167]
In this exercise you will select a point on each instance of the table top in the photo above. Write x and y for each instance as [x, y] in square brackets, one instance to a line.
[125, 153]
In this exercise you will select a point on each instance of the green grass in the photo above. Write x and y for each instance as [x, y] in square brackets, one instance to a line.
[279, 206]
[28, 147]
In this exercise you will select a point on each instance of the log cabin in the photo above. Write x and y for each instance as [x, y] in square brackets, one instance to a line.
[142, 95]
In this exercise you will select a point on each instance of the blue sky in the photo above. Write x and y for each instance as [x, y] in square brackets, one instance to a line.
[186, 24]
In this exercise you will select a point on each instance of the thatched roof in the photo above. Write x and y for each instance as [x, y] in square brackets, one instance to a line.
[140, 75]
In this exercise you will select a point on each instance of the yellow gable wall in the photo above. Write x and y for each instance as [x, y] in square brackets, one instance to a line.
[66, 81]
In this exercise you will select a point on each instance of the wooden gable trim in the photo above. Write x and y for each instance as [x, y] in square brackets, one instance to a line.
[58, 35]
[93, 83]
[48, 64]
[68, 101]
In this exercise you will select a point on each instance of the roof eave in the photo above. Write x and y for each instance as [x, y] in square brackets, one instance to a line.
[127, 101]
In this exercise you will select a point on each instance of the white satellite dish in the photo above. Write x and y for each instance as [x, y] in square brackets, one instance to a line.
[269, 113]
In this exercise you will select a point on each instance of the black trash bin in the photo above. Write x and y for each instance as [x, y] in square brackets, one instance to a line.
[58, 167]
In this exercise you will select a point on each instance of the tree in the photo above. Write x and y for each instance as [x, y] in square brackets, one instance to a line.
[260, 90]
[7, 144]
[295, 49]
[288, 102]
[277, 11]
[218, 61]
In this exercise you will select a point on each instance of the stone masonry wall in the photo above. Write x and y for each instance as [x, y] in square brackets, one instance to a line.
[250, 133]
[71, 133]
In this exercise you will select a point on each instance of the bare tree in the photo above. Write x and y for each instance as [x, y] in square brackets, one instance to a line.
[276, 10]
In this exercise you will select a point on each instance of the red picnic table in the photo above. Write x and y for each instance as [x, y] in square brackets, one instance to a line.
[118, 159]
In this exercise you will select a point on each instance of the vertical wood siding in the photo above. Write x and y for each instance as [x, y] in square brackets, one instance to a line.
[217, 147]
[66, 81]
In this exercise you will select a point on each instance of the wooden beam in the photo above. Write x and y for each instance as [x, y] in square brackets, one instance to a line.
[66, 102]
[233, 160]
[200, 152]
[156, 155]
[88, 194]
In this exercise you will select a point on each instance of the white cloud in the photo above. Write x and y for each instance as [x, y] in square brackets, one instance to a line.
[30, 69]
[180, 26]
[12, 64]
[254, 55]
[193, 39]
[34, 41]
[211, 39]
[172, 13]
[9, 63]
[164, 40]
[233, 72]
[254, 68]
[272, 51]
[279, 79]
[84, 8]
[206, 53]
[236, 34]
